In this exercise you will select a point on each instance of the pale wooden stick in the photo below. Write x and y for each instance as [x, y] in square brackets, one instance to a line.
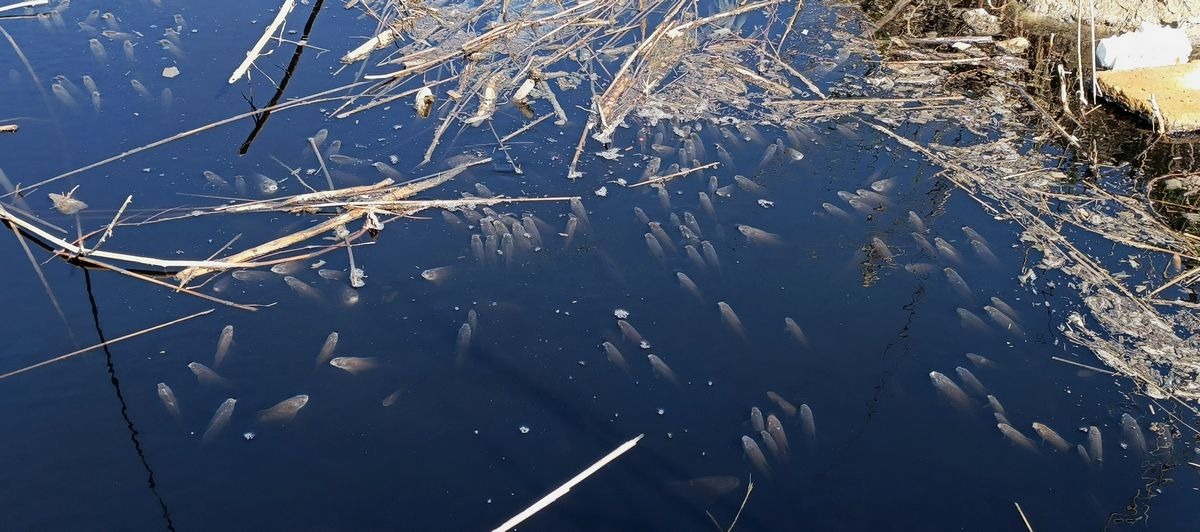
[565, 488]
[1084, 366]
[256, 51]
[749, 488]
[109, 230]
[19, 5]
[669, 177]
[1028, 526]
[102, 344]
[9, 128]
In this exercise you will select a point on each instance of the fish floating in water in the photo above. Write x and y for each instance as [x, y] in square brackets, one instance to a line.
[808, 424]
[950, 392]
[1052, 438]
[755, 455]
[614, 356]
[219, 420]
[167, 395]
[354, 365]
[327, 348]
[730, 318]
[661, 370]
[1016, 437]
[285, 411]
[759, 237]
[1133, 434]
[1095, 444]
[205, 375]
[462, 344]
[972, 383]
[783, 404]
[757, 421]
[441, 274]
[224, 342]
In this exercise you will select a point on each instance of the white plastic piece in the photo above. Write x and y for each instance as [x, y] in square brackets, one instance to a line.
[1150, 46]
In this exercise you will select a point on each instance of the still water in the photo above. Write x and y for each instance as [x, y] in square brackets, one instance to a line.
[442, 434]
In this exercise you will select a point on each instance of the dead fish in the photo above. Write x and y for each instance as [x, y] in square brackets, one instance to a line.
[1003, 321]
[284, 411]
[331, 275]
[98, 50]
[687, 284]
[63, 95]
[167, 395]
[656, 249]
[1133, 434]
[705, 490]
[759, 237]
[327, 348]
[1049, 436]
[971, 382]
[836, 211]
[252, 276]
[354, 365]
[1004, 307]
[288, 268]
[387, 171]
[1083, 454]
[302, 288]
[580, 213]
[797, 333]
[694, 257]
[950, 392]
[980, 361]
[614, 356]
[775, 428]
[266, 185]
[219, 420]
[973, 235]
[788, 408]
[391, 398]
[916, 222]
[66, 204]
[664, 199]
[970, 320]
[140, 89]
[239, 184]
[205, 375]
[920, 269]
[710, 255]
[631, 334]
[808, 424]
[881, 249]
[462, 344]
[772, 447]
[569, 234]
[96, 101]
[947, 251]
[1016, 437]
[215, 180]
[995, 404]
[1095, 444]
[883, 186]
[984, 253]
[441, 273]
[661, 370]
[661, 234]
[172, 48]
[348, 295]
[746, 184]
[755, 454]
[730, 318]
[706, 205]
[924, 244]
[757, 421]
[958, 284]
[224, 341]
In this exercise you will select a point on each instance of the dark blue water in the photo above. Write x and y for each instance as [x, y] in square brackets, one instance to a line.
[88, 444]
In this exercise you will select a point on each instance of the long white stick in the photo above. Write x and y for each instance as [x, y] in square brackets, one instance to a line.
[255, 52]
[563, 489]
[19, 5]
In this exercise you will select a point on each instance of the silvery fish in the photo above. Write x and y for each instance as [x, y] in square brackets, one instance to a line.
[614, 356]
[1016, 437]
[985, 253]
[872, 197]
[266, 185]
[797, 333]
[1049, 436]
[706, 205]
[63, 95]
[950, 392]
[971, 382]
[755, 454]
[219, 420]
[758, 236]
[327, 349]
[687, 284]
[776, 429]
[916, 222]
[883, 186]
[973, 235]
[881, 250]
[835, 211]
[808, 424]
[206, 375]
[331, 275]
[302, 288]
[664, 199]
[215, 180]
[140, 89]
[959, 285]
[439, 274]
[288, 268]
[387, 171]
[1095, 444]
[631, 334]
[462, 344]
[1004, 307]
[661, 370]
[168, 399]
[783, 404]
[656, 249]
[694, 257]
[284, 411]
[750, 186]
[923, 244]
[724, 156]
[731, 318]
[252, 276]
[772, 447]
[970, 320]
[757, 421]
[980, 361]
[98, 50]
[1003, 321]
[1133, 434]
[641, 215]
[947, 251]
[710, 256]
[995, 404]
[661, 234]
[354, 365]
[224, 341]
[344, 160]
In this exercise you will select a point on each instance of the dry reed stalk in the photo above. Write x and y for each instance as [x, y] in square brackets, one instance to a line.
[566, 487]
[108, 231]
[45, 284]
[9, 128]
[27, 3]
[256, 51]
[104, 343]
[669, 177]
[1028, 526]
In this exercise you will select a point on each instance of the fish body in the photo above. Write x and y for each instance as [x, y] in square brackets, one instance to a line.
[438, 275]
[995, 404]
[788, 408]
[219, 420]
[705, 490]
[971, 381]
[795, 331]
[1133, 434]
[958, 284]
[970, 320]
[354, 365]
[302, 288]
[1003, 321]
[98, 50]
[1017, 438]
[755, 455]
[288, 268]
[462, 344]
[284, 411]
[731, 318]
[614, 356]
[772, 446]
[710, 256]
[1095, 444]
[775, 428]
[757, 422]
[641, 215]
[984, 253]
[924, 244]
[694, 257]
[167, 395]
[140, 89]
[215, 180]
[706, 205]
[656, 249]
[661, 234]
[1052, 438]
[630, 333]
[386, 170]
[881, 250]
[205, 375]
[327, 348]
[63, 95]
[1004, 307]
[348, 295]
[808, 424]
[759, 236]
[746, 184]
[252, 276]
[980, 361]
[580, 213]
[946, 250]
[661, 370]
[836, 211]
[569, 233]
[950, 392]
[689, 285]
[266, 186]
[916, 222]
[224, 341]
